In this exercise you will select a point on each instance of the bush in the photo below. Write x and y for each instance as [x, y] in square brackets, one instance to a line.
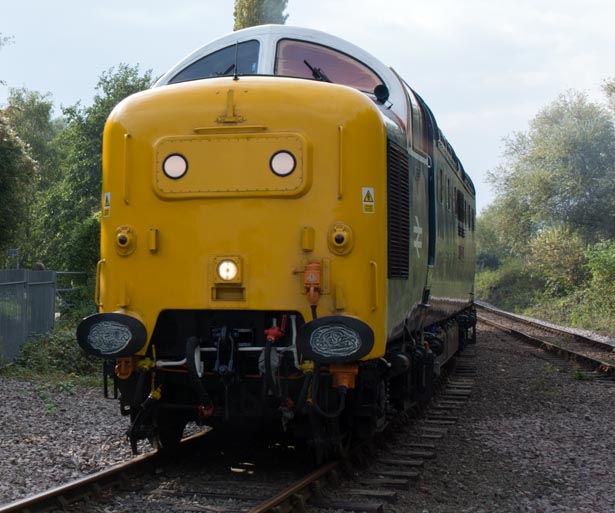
[557, 255]
[55, 356]
[511, 287]
[601, 264]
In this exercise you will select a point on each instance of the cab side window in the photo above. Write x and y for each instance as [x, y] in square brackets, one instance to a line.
[222, 63]
[418, 123]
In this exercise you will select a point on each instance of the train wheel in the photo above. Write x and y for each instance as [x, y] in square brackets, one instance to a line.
[331, 439]
[342, 447]
[169, 432]
[382, 405]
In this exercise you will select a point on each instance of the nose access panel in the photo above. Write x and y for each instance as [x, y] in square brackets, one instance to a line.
[234, 165]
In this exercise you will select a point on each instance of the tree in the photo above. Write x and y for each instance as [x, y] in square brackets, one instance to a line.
[17, 172]
[30, 114]
[562, 171]
[609, 89]
[249, 13]
[490, 248]
[557, 255]
[67, 223]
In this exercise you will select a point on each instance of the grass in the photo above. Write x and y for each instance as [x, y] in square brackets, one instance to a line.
[581, 375]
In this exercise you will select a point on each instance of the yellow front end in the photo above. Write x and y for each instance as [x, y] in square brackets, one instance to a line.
[231, 196]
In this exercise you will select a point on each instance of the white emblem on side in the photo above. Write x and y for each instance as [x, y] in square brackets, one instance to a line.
[418, 239]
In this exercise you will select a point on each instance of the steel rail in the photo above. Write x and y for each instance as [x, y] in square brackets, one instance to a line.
[558, 330]
[292, 498]
[80, 489]
[599, 365]
[295, 496]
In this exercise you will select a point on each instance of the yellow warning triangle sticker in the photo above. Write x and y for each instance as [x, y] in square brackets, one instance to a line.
[368, 197]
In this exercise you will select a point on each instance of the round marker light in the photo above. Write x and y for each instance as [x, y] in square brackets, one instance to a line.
[175, 166]
[283, 163]
[227, 270]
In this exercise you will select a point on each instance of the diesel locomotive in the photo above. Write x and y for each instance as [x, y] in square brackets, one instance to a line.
[287, 244]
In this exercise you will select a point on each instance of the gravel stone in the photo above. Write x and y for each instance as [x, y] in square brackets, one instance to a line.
[531, 438]
[49, 437]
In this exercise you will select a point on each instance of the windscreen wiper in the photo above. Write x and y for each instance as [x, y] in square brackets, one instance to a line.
[226, 72]
[317, 73]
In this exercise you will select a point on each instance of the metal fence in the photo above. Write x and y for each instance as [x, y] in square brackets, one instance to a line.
[27, 306]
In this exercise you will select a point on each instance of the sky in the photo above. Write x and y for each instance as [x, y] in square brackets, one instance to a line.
[485, 67]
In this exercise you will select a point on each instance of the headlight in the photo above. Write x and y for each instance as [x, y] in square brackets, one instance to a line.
[283, 163]
[335, 339]
[227, 270]
[111, 335]
[175, 166]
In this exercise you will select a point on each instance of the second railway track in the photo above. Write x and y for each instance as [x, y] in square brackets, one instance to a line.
[594, 351]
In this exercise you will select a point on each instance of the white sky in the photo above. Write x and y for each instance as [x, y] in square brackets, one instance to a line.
[485, 67]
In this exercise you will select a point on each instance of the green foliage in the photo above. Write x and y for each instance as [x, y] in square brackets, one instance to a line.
[491, 249]
[55, 204]
[67, 224]
[593, 306]
[557, 255]
[511, 287]
[249, 13]
[609, 89]
[581, 375]
[18, 172]
[590, 304]
[546, 245]
[601, 263]
[30, 115]
[55, 358]
[81, 141]
[77, 304]
[562, 171]
[48, 392]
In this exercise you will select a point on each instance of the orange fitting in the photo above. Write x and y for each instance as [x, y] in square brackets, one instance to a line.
[124, 367]
[344, 375]
[311, 282]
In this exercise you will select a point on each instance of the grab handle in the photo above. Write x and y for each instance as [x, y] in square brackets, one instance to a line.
[97, 290]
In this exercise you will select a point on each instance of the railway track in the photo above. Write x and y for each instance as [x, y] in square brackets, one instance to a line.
[220, 492]
[393, 469]
[84, 489]
[590, 350]
[378, 473]
[206, 478]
